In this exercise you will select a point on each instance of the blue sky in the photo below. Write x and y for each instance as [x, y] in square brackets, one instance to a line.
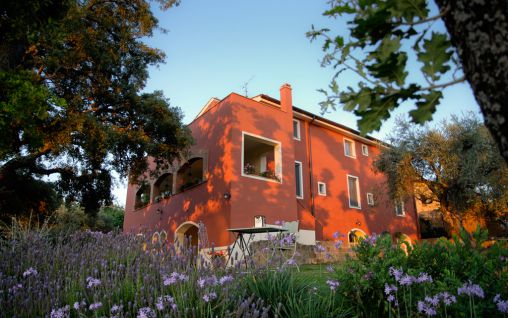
[214, 47]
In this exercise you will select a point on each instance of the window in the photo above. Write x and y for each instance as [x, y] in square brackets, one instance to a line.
[190, 174]
[261, 158]
[349, 148]
[321, 188]
[365, 150]
[163, 187]
[354, 192]
[399, 208]
[299, 179]
[296, 129]
[370, 199]
[142, 196]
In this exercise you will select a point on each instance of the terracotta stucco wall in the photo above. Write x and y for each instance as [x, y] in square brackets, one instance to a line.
[331, 166]
[203, 203]
[251, 197]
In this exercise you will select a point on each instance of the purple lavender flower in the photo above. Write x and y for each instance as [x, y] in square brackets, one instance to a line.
[434, 301]
[319, 248]
[209, 297]
[426, 308]
[329, 268]
[333, 284]
[371, 240]
[338, 244]
[447, 298]
[502, 305]
[95, 306]
[60, 312]
[115, 309]
[406, 280]
[225, 279]
[424, 278]
[92, 282]
[390, 298]
[14, 289]
[471, 289]
[201, 282]
[396, 273]
[30, 272]
[76, 305]
[390, 288]
[291, 262]
[146, 312]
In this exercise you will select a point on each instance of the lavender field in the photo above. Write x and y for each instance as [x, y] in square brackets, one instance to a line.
[91, 274]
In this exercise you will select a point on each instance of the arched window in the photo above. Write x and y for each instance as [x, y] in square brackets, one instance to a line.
[355, 235]
[190, 174]
[163, 187]
[142, 196]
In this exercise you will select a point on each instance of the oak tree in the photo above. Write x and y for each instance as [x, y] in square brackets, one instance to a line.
[71, 103]
[384, 35]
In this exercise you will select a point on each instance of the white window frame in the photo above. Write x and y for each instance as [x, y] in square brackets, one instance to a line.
[353, 151]
[357, 192]
[365, 150]
[300, 171]
[401, 205]
[370, 199]
[298, 136]
[277, 157]
[319, 185]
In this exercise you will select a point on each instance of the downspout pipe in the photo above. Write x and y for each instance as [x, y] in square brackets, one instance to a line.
[311, 173]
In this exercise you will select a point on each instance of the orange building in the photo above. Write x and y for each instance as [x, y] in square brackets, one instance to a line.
[261, 156]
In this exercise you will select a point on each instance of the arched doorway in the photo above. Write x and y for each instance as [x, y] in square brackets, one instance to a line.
[355, 235]
[187, 233]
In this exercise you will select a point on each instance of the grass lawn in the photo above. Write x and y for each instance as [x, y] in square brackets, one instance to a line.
[314, 275]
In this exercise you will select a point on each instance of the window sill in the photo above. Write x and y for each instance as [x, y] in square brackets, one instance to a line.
[260, 178]
[355, 207]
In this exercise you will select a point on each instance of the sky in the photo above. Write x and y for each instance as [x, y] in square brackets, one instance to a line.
[216, 47]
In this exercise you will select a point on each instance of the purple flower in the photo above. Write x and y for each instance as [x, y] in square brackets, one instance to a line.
[390, 298]
[447, 298]
[319, 248]
[174, 278]
[76, 305]
[424, 278]
[371, 240]
[92, 282]
[329, 268]
[502, 305]
[434, 301]
[115, 308]
[407, 280]
[146, 312]
[95, 306]
[291, 262]
[201, 282]
[390, 288]
[333, 284]
[209, 297]
[60, 312]
[30, 272]
[396, 273]
[338, 244]
[471, 289]
[14, 289]
[225, 279]
[426, 308]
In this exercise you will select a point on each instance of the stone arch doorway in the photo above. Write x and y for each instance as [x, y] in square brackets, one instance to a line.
[187, 233]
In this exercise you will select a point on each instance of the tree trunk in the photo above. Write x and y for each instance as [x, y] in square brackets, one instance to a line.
[479, 31]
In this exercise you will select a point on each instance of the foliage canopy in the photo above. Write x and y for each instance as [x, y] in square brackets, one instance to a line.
[71, 76]
[385, 36]
[457, 165]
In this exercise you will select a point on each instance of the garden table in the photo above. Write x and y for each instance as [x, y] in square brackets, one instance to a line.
[243, 245]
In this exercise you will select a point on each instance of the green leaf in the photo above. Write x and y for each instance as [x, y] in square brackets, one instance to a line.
[426, 107]
[408, 10]
[435, 55]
